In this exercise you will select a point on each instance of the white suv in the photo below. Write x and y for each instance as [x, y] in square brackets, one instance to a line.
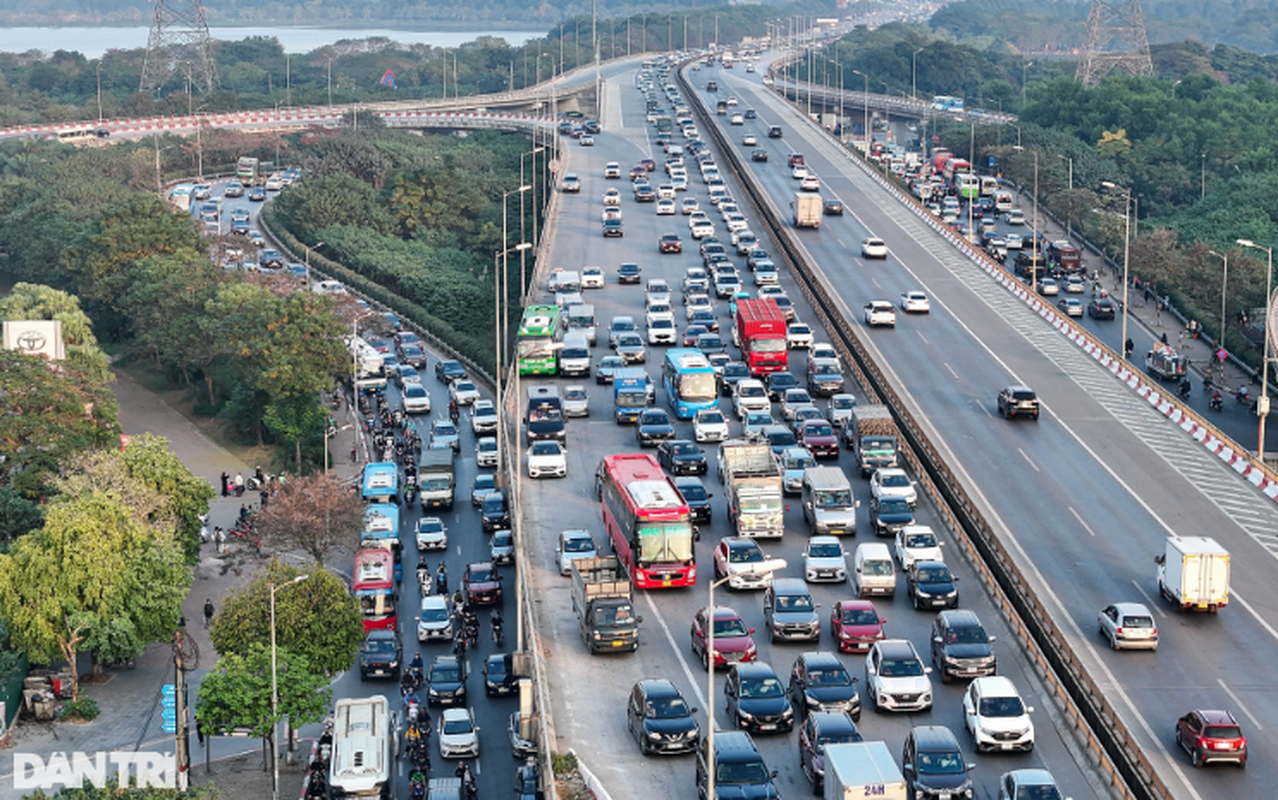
[995, 715]
[750, 395]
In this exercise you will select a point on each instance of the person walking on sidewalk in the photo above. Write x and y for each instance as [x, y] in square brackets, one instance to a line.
[208, 613]
[239, 484]
[226, 492]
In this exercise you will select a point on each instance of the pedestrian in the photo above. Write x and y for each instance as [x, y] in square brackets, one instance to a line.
[258, 474]
[244, 512]
[1163, 338]
[239, 484]
[226, 492]
[208, 613]
[265, 495]
[219, 536]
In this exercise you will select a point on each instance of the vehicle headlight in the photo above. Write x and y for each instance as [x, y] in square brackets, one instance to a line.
[922, 592]
[927, 697]
[653, 735]
[788, 713]
[741, 712]
[596, 635]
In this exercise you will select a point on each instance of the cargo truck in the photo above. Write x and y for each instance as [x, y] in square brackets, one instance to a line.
[871, 436]
[759, 330]
[862, 769]
[601, 599]
[752, 480]
[828, 503]
[246, 171]
[370, 367]
[436, 477]
[1193, 573]
[545, 418]
[807, 210]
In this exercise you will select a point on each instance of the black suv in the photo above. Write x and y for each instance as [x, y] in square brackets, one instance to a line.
[819, 682]
[495, 515]
[740, 771]
[449, 371]
[499, 677]
[659, 718]
[1101, 308]
[381, 655]
[818, 730]
[446, 680]
[960, 646]
[756, 699]
[778, 382]
[698, 499]
[1018, 401]
[932, 764]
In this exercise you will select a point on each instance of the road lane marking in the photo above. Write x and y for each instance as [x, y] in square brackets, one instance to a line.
[925, 341]
[1149, 600]
[1086, 527]
[1030, 462]
[683, 662]
[952, 372]
[1239, 704]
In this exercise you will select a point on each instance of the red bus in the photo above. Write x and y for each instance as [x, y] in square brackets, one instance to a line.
[648, 521]
[374, 585]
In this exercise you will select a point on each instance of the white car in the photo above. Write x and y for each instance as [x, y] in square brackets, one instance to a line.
[483, 417]
[798, 335]
[893, 482]
[799, 172]
[1128, 626]
[896, 678]
[666, 208]
[592, 278]
[1015, 217]
[688, 205]
[873, 247]
[698, 302]
[463, 392]
[702, 228]
[458, 734]
[612, 197]
[880, 312]
[1074, 284]
[576, 401]
[737, 119]
[751, 395]
[749, 140]
[486, 451]
[547, 458]
[435, 620]
[823, 350]
[916, 543]
[431, 534]
[1048, 287]
[824, 560]
[573, 544]
[661, 329]
[995, 715]
[736, 222]
[416, 399]
[810, 184]
[1013, 241]
[709, 425]
[915, 302]
[612, 170]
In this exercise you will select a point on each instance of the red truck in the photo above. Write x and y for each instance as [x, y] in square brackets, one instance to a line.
[760, 333]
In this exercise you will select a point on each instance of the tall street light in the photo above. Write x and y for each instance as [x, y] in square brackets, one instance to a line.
[1127, 243]
[523, 288]
[1224, 288]
[866, 121]
[1068, 209]
[309, 248]
[1024, 69]
[275, 695]
[1262, 405]
[759, 568]
[914, 74]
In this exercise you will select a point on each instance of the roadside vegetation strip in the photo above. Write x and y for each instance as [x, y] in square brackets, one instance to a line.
[1116, 750]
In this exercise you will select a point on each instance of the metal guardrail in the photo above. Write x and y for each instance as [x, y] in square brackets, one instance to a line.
[1109, 743]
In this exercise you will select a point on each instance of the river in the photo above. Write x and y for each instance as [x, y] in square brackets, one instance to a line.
[93, 42]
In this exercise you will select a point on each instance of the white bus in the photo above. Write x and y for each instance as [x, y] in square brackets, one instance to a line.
[364, 749]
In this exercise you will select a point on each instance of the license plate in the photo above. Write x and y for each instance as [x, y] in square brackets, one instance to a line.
[667, 583]
[1006, 745]
[618, 643]
[836, 531]
[768, 727]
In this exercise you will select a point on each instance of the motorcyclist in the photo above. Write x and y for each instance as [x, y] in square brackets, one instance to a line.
[441, 579]
[1217, 402]
[1243, 394]
[1128, 347]
[407, 685]
[416, 667]
[467, 779]
[1185, 387]
[452, 411]
[411, 699]
[1208, 384]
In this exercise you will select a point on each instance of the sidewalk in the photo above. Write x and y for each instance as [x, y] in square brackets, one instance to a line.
[130, 698]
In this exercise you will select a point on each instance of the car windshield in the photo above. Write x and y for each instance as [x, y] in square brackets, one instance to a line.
[849, 737]
[762, 688]
[574, 394]
[444, 429]
[894, 480]
[735, 370]
[794, 602]
[666, 708]
[920, 540]
[481, 576]
[457, 727]
[503, 540]
[780, 380]
[614, 615]
[1001, 707]
[437, 614]
[833, 676]
[830, 369]
[545, 448]
[836, 498]
[901, 668]
[800, 462]
[741, 772]
[622, 325]
[893, 505]
[445, 673]
[859, 616]
[685, 449]
[750, 390]
[692, 492]
[711, 418]
[429, 525]
[933, 575]
[730, 627]
[581, 545]
[494, 504]
[379, 647]
[745, 555]
[781, 438]
[653, 418]
[819, 429]
[966, 635]
[948, 763]
[826, 551]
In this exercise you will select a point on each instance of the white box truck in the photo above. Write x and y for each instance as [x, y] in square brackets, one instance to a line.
[861, 770]
[1193, 573]
[807, 210]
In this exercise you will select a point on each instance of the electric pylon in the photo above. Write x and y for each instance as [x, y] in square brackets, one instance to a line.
[179, 37]
[1116, 39]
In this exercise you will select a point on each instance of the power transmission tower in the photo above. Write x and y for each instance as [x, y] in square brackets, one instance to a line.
[179, 36]
[1116, 39]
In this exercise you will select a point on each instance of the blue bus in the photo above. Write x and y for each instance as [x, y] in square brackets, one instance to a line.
[630, 394]
[381, 531]
[690, 382]
[381, 482]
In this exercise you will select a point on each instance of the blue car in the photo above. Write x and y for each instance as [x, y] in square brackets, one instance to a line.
[930, 584]
[889, 515]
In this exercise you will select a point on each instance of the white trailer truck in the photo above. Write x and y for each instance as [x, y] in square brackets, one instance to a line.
[1193, 573]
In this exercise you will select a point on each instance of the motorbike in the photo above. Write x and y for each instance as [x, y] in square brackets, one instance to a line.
[441, 580]
[1216, 403]
[499, 635]
[1184, 390]
[417, 784]
[410, 494]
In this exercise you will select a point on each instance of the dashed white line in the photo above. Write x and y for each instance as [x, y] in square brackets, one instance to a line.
[925, 341]
[1086, 527]
[952, 372]
[1149, 601]
[1255, 723]
[1029, 461]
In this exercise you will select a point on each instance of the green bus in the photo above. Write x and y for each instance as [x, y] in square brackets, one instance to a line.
[535, 342]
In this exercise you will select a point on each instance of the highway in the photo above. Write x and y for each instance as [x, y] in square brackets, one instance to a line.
[1085, 497]
[588, 693]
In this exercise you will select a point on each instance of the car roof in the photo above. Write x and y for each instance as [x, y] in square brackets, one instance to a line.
[958, 617]
[1032, 777]
[995, 686]
[934, 737]
[456, 713]
[1133, 609]
[1216, 716]
[754, 670]
[897, 648]
[820, 658]
[657, 687]
[833, 722]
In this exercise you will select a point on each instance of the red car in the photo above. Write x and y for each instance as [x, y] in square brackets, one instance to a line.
[482, 584]
[1207, 736]
[733, 641]
[819, 436]
[692, 333]
[648, 164]
[639, 172]
[671, 243]
[855, 625]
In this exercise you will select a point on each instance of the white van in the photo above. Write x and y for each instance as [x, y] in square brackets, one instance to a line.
[574, 354]
[873, 571]
[329, 287]
[1003, 201]
[565, 281]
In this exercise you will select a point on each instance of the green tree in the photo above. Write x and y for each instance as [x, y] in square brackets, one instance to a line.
[93, 562]
[317, 619]
[18, 516]
[314, 514]
[292, 418]
[237, 692]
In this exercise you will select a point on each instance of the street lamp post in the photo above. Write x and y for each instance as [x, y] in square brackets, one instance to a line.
[1224, 288]
[1024, 69]
[1262, 404]
[309, 248]
[760, 568]
[1068, 217]
[914, 74]
[866, 120]
[1127, 242]
[275, 695]
[523, 288]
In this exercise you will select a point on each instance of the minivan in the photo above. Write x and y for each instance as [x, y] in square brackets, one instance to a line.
[873, 571]
[933, 766]
[737, 764]
[789, 612]
[580, 318]
[574, 355]
[828, 504]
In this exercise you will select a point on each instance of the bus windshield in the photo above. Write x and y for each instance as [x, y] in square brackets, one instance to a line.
[698, 386]
[665, 542]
